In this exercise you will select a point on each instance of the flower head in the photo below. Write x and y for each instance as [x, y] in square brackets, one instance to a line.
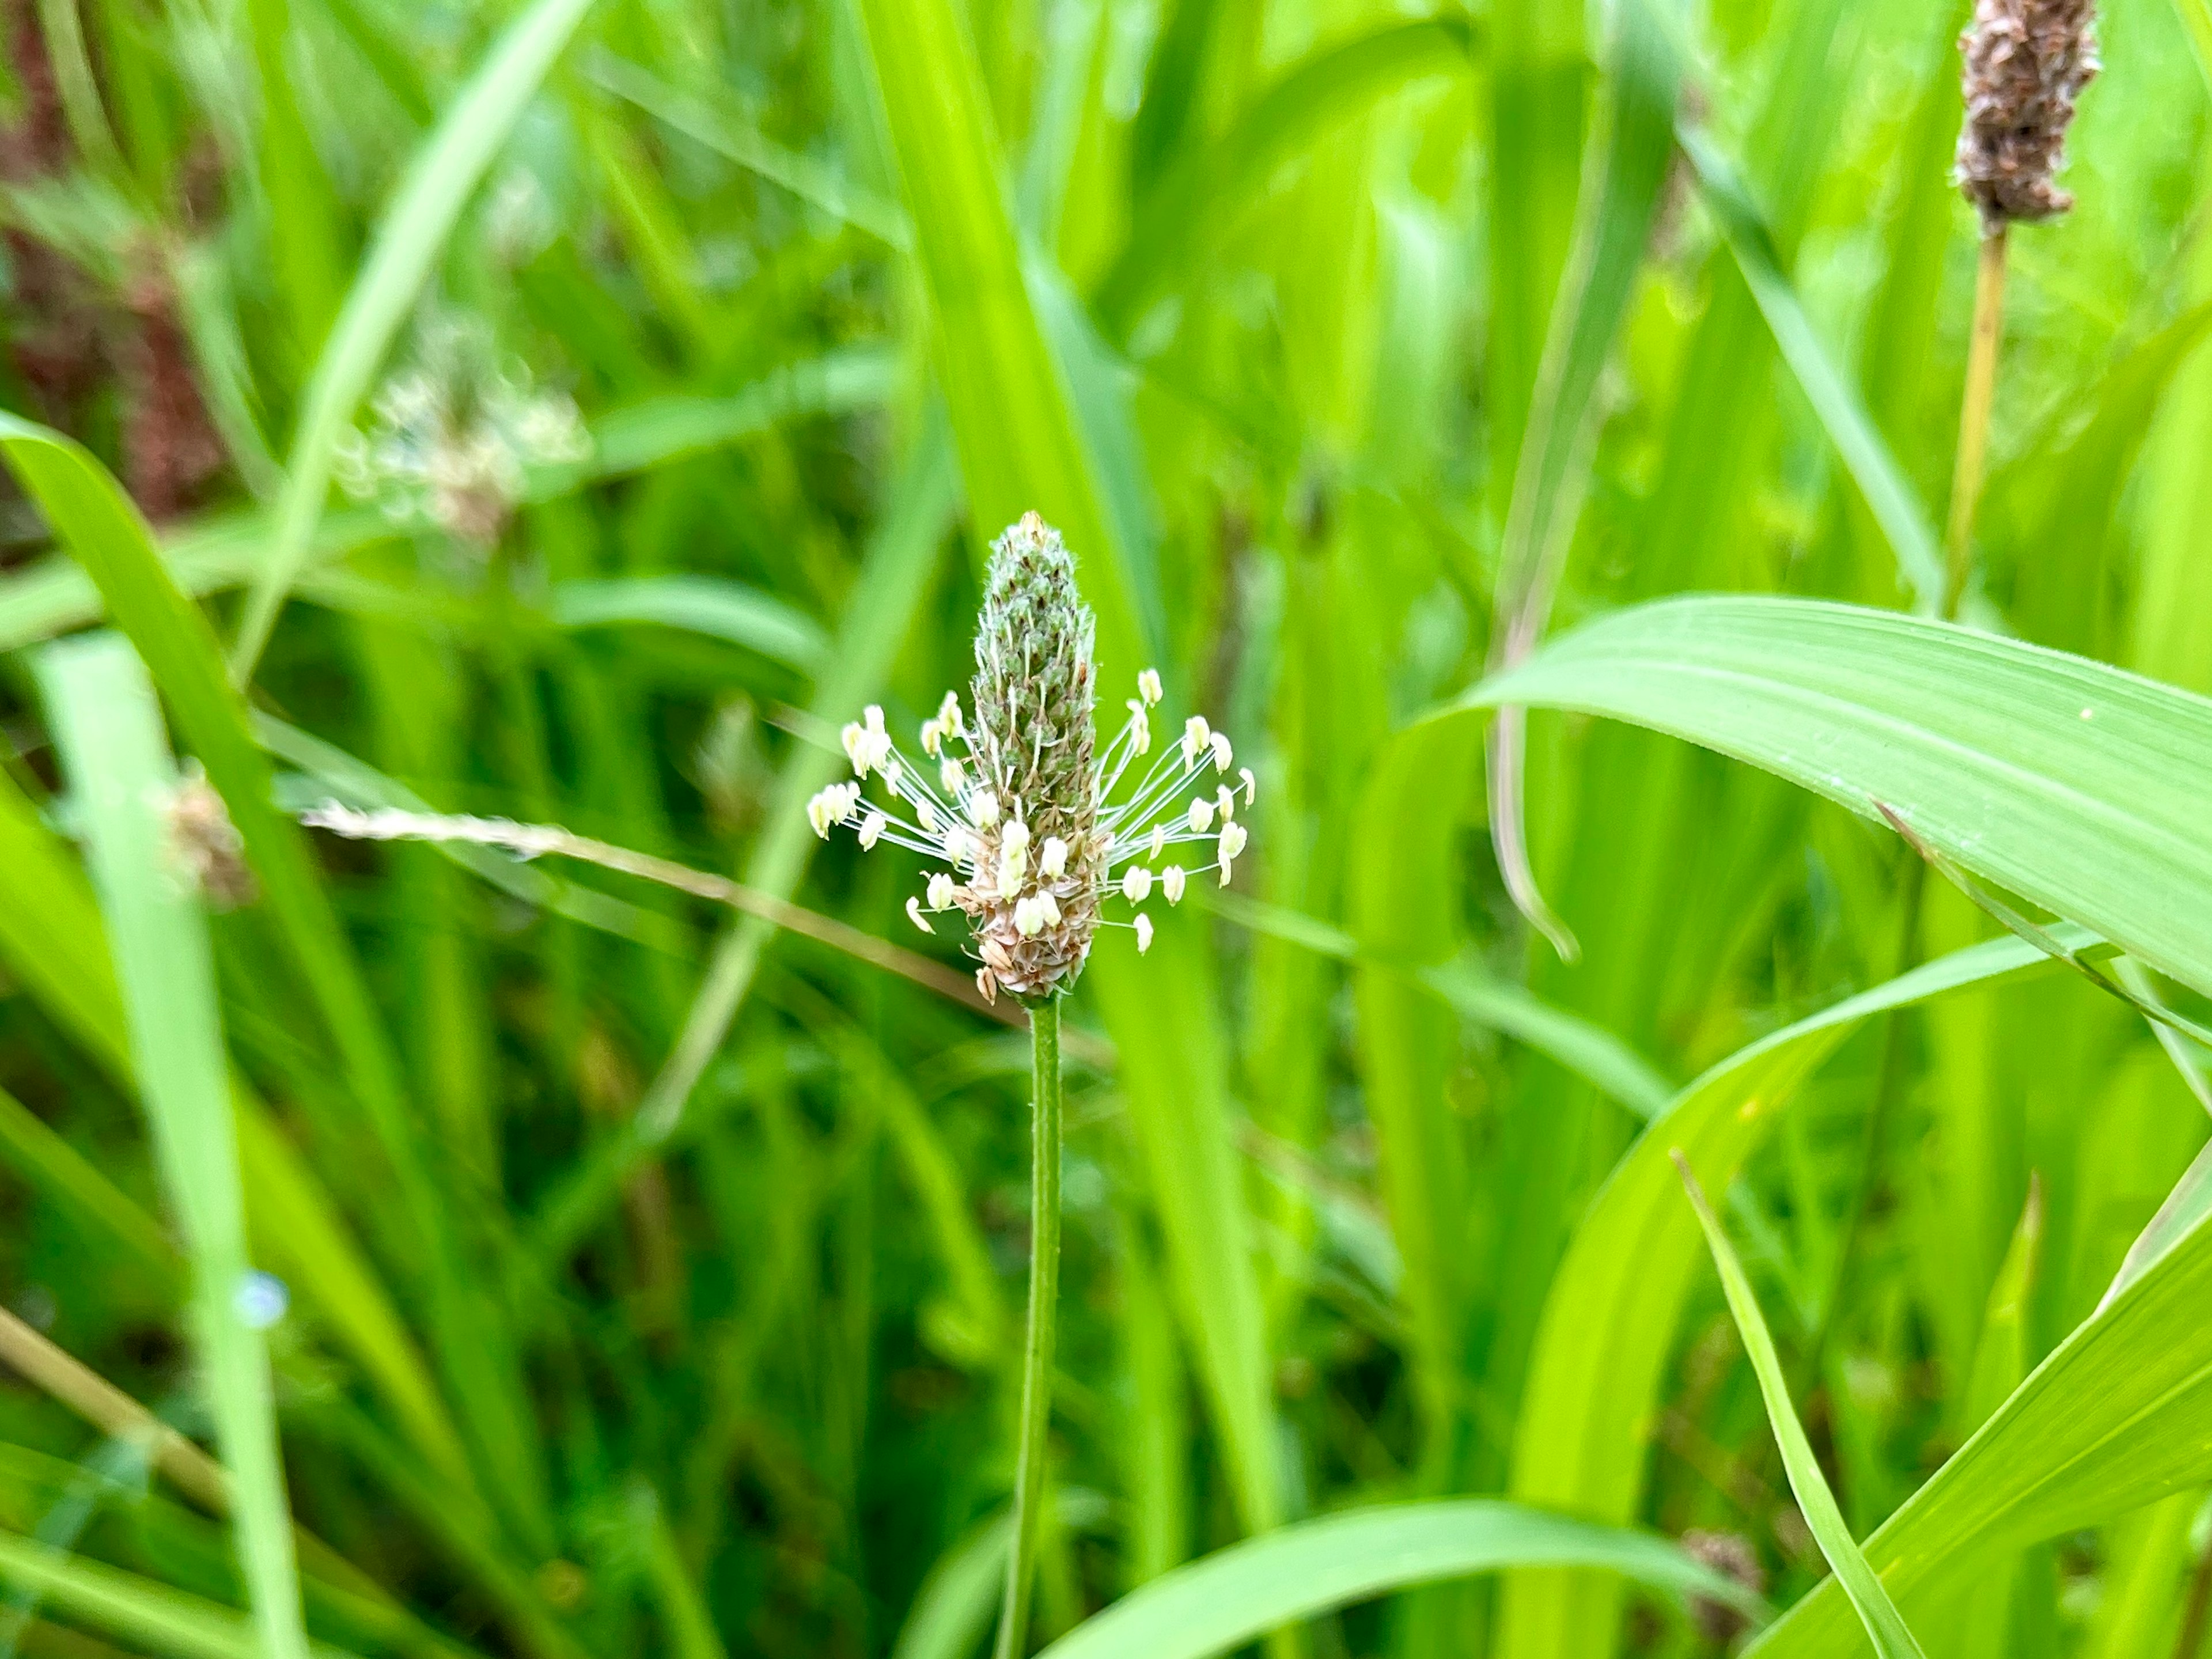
[1021, 802]
[2026, 62]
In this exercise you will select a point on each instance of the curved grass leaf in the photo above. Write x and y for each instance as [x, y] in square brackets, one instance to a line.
[1884, 1624]
[2080, 788]
[109, 729]
[953, 1609]
[439, 181]
[698, 604]
[2119, 1415]
[1236, 1595]
[1608, 1321]
[1621, 199]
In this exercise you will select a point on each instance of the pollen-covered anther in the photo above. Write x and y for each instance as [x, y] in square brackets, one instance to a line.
[983, 809]
[1137, 884]
[1201, 816]
[913, 914]
[1148, 687]
[1251, 783]
[872, 831]
[1159, 843]
[1197, 737]
[953, 778]
[942, 891]
[1224, 801]
[1143, 926]
[1140, 728]
[1052, 860]
[1226, 849]
[1171, 881]
[1218, 742]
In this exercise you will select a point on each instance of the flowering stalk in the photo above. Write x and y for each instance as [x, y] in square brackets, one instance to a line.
[1028, 819]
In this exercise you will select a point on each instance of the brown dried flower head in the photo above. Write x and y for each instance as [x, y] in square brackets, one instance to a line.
[205, 845]
[1731, 1556]
[2026, 62]
[1020, 806]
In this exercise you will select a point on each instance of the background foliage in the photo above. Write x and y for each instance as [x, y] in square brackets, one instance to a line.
[653, 1274]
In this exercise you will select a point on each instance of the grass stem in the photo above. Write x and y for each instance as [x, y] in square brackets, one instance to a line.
[1974, 418]
[1037, 1340]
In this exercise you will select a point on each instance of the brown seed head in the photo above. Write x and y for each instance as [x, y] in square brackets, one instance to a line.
[1730, 1555]
[2026, 62]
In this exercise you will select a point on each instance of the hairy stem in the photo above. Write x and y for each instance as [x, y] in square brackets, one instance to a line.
[1974, 418]
[1037, 1340]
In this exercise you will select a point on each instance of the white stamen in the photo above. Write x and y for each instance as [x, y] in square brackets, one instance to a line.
[1148, 686]
[1159, 840]
[1232, 844]
[1016, 839]
[1029, 919]
[956, 845]
[1140, 728]
[926, 815]
[1052, 863]
[1201, 816]
[1048, 907]
[871, 830]
[941, 888]
[1195, 737]
[913, 914]
[983, 809]
[1224, 801]
[1144, 934]
[1251, 783]
[1137, 884]
[1171, 880]
[952, 777]
[932, 737]
[948, 714]
[819, 812]
[854, 736]
[1221, 753]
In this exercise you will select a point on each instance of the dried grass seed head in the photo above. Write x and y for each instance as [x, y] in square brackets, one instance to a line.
[2026, 62]
[1019, 805]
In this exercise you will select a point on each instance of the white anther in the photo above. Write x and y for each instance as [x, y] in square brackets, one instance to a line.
[1221, 753]
[1144, 934]
[1148, 686]
[1016, 840]
[932, 737]
[956, 845]
[1029, 918]
[1137, 884]
[913, 914]
[952, 777]
[948, 714]
[983, 809]
[1195, 737]
[1224, 801]
[1048, 907]
[873, 718]
[872, 831]
[1140, 728]
[926, 815]
[1171, 880]
[1251, 783]
[1232, 844]
[1052, 863]
[854, 736]
[893, 772]
[819, 812]
[1159, 840]
[941, 888]
[1201, 816]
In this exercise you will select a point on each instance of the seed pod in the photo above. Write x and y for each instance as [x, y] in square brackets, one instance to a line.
[2026, 62]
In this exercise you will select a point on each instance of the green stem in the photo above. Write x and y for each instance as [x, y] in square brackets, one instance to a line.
[1037, 1340]
[1974, 416]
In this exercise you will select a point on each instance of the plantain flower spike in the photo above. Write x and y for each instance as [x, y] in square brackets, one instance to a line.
[1019, 802]
[2026, 62]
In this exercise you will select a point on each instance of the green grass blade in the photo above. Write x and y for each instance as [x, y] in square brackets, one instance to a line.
[2118, 1415]
[1889, 496]
[1621, 197]
[1232, 1597]
[408, 244]
[699, 604]
[1608, 1321]
[168, 1621]
[1583, 1046]
[2078, 787]
[109, 729]
[1884, 1624]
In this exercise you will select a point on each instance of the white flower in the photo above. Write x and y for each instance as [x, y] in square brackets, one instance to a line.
[1019, 877]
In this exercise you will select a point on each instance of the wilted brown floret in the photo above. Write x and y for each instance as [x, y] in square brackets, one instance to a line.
[205, 845]
[2026, 62]
[1730, 1555]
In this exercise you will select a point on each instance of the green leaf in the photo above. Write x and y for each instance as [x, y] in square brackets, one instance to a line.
[2080, 788]
[1239, 1594]
[409, 243]
[698, 604]
[1884, 1624]
[1608, 1321]
[109, 729]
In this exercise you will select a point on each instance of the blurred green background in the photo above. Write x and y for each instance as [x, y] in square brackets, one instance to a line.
[596, 405]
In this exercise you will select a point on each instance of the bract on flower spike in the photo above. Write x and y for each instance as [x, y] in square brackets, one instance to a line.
[1023, 803]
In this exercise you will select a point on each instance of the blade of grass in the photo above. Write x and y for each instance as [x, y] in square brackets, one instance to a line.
[1885, 1626]
[408, 242]
[1233, 1596]
[109, 729]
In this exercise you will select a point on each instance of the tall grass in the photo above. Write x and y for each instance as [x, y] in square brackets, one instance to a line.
[1524, 427]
